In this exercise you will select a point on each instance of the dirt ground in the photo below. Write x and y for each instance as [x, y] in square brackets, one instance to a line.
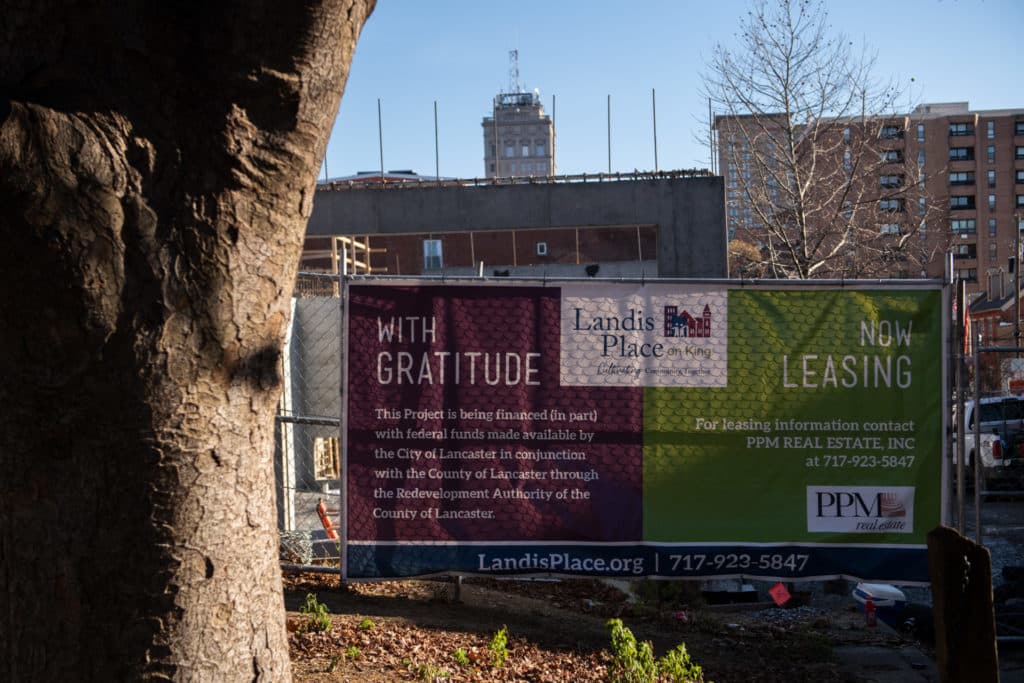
[415, 630]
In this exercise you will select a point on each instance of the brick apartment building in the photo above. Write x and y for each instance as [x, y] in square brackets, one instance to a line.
[970, 164]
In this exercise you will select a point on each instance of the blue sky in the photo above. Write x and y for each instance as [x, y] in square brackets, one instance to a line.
[456, 52]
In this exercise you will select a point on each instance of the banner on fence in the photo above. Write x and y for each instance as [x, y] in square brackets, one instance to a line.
[668, 430]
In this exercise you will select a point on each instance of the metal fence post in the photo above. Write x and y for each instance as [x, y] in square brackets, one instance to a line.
[977, 440]
[343, 416]
[958, 343]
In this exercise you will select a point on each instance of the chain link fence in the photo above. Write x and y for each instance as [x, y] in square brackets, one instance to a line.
[994, 413]
[992, 401]
[307, 458]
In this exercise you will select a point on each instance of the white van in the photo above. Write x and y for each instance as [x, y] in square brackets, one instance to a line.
[1001, 420]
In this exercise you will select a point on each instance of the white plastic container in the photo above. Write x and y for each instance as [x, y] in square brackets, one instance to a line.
[889, 600]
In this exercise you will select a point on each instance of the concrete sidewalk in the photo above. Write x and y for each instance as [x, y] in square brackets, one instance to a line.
[908, 664]
[885, 664]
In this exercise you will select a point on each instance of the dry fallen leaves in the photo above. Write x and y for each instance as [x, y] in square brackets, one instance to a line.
[555, 633]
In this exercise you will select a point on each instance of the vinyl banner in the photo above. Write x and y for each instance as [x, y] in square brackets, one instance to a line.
[658, 430]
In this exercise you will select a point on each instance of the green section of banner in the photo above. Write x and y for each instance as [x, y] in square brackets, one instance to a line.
[833, 411]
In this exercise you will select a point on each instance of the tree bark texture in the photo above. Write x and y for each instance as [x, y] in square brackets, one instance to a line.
[157, 168]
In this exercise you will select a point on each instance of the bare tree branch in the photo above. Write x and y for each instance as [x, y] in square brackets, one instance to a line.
[816, 175]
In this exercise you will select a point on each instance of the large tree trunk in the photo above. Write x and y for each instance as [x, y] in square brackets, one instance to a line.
[157, 167]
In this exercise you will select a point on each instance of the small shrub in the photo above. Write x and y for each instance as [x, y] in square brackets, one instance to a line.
[352, 652]
[461, 657]
[499, 648]
[632, 662]
[317, 617]
[679, 668]
[366, 624]
[431, 673]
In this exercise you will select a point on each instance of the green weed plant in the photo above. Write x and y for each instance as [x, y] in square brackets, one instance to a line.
[634, 662]
[317, 617]
[499, 648]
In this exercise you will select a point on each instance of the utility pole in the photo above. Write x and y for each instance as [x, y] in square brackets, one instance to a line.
[654, 120]
[609, 134]
[494, 122]
[380, 140]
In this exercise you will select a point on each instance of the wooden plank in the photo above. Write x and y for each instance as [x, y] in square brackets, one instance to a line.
[965, 624]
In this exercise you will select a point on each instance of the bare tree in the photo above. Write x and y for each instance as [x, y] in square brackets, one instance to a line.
[818, 170]
[157, 168]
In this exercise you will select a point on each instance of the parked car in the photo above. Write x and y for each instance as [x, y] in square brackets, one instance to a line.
[1008, 460]
[1001, 420]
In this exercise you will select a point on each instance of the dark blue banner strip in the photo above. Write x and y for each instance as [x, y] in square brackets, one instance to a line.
[891, 564]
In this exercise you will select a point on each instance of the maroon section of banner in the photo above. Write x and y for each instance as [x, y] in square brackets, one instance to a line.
[458, 429]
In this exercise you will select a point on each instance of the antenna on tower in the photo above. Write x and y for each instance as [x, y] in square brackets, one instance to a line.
[513, 71]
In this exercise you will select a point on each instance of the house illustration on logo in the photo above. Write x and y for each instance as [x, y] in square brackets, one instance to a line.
[685, 325]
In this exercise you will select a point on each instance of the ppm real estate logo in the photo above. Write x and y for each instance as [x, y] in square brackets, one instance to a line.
[860, 509]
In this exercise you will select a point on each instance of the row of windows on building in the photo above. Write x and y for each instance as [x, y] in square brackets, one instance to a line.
[970, 274]
[955, 178]
[732, 180]
[433, 253]
[969, 226]
[956, 202]
[962, 202]
[967, 153]
[895, 156]
[967, 177]
[961, 129]
[516, 131]
[522, 168]
[958, 226]
[970, 251]
[896, 180]
[895, 204]
[893, 132]
[956, 129]
[523, 149]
